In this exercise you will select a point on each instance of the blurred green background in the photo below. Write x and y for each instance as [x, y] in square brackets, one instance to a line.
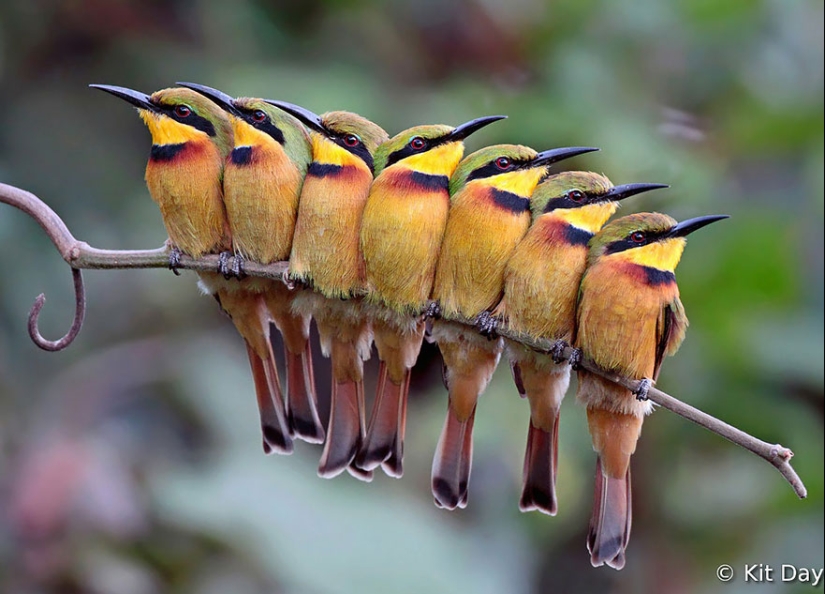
[131, 462]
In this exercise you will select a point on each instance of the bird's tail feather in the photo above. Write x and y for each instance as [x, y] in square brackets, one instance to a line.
[302, 408]
[540, 464]
[344, 431]
[610, 523]
[384, 442]
[453, 461]
[275, 429]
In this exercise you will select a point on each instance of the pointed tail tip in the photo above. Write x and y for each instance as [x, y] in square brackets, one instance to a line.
[444, 494]
[610, 523]
[394, 465]
[538, 500]
[308, 430]
[448, 495]
[302, 409]
[361, 474]
[370, 457]
[277, 440]
[328, 471]
[540, 461]
[617, 561]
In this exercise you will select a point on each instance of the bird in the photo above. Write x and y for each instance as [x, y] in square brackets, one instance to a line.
[326, 257]
[489, 214]
[541, 286]
[629, 317]
[191, 139]
[263, 177]
[401, 232]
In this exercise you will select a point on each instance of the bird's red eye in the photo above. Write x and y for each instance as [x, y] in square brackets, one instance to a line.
[182, 111]
[258, 116]
[504, 163]
[351, 140]
[575, 195]
[638, 237]
[418, 143]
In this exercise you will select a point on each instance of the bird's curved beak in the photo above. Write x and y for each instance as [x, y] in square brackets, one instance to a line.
[464, 130]
[687, 227]
[617, 193]
[309, 118]
[136, 98]
[220, 98]
[546, 158]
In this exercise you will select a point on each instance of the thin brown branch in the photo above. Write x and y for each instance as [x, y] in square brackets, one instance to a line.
[79, 255]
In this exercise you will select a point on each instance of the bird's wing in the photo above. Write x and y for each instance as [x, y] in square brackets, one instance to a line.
[670, 332]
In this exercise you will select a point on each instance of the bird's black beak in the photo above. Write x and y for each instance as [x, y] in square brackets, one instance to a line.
[464, 130]
[687, 227]
[560, 154]
[309, 118]
[617, 193]
[220, 98]
[136, 98]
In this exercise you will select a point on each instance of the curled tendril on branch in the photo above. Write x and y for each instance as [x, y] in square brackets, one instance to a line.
[79, 255]
[77, 323]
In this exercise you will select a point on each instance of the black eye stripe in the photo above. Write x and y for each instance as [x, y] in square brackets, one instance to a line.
[359, 151]
[566, 202]
[408, 151]
[626, 243]
[490, 169]
[264, 125]
[193, 119]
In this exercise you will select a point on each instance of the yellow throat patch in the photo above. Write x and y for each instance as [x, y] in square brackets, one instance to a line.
[246, 135]
[442, 160]
[165, 130]
[327, 152]
[662, 255]
[521, 182]
[590, 218]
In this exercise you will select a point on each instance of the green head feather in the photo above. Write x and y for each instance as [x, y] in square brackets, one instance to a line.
[295, 136]
[201, 107]
[650, 223]
[402, 139]
[560, 184]
[345, 122]
[487, 157]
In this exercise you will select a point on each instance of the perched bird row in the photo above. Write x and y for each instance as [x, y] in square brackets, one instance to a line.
[376, 230]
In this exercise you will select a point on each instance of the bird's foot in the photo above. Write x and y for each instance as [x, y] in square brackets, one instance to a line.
[290, 282]
[487, 325]
[174, 259]
[557, 351]
[223, 264]
[643, 389]
[237, 266]
[575, 358]
[433, 310]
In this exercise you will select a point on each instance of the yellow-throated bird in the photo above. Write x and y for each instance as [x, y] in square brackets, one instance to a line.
[326, 256]
[489, 214]
[262, 182]
[401, 233]
[629, 318]
[191, 138]
[541, 285]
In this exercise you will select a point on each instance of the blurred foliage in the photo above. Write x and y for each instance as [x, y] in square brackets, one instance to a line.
[130, 462]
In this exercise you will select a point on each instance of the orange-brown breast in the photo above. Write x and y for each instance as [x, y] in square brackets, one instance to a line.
[480, 237]
[186, 184]
[542, 281]
[261, 190]
[401, 236]
[325, 248]
[618, 316]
